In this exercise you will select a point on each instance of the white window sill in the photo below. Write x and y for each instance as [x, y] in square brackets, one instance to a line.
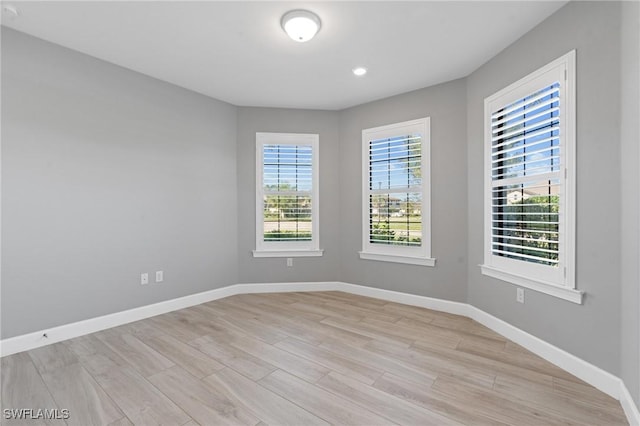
[422, 261]
[287, 253]
[565, 293]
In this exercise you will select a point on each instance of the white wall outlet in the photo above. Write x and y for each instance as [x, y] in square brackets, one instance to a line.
[159, 276]
[289, 262]
[520, 295]
[144, 278]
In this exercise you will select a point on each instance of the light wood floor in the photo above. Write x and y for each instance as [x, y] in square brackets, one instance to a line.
[300, 359]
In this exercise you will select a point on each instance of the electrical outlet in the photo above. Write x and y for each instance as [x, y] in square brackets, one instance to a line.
[159, 276]
[520, 295]
[289, 262]
[144, 279]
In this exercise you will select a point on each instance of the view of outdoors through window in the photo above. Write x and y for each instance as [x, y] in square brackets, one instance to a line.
[526, 177]
[287, 180]
[395, 192]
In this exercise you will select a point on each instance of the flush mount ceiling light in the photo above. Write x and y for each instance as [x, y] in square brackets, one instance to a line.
[359, 71]
[300, 25]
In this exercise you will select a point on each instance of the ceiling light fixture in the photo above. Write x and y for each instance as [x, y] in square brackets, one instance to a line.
[359, 71]
[300, 25]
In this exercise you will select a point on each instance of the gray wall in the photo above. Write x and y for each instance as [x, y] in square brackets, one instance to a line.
[445, 104]
[107, 173]
[630, 214]
[264, 270]
[590, 331]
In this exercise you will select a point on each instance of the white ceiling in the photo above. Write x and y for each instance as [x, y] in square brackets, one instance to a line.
[237, 52]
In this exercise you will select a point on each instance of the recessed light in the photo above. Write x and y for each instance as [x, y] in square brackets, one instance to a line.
[300, 25]
[359, 71]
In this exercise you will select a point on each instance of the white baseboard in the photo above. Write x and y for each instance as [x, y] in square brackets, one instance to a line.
[441, 305]
[287, 287]
[629, 406]
[600, 379]
[36, 339]
[595, 376]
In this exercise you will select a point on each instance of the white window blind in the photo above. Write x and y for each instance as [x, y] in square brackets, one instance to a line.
[530, 181]
[396, 216]
[287, 184]
[286, 194]
[526, 178]
[395, 193]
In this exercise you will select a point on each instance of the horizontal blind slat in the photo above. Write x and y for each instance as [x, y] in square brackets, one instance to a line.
[527, 182]
[515, 115]
[523, 247]
[533, 240]
[508, 124]
[387, 146]
[531, 162]
[548, 127]
[508, 109]
[524, 154]
[527, 230]
[525, 256]
[527, 145]
[529, 136]
[547, 223]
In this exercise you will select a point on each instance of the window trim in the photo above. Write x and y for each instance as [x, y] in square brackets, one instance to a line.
[287, 248]
[523, 273]
[389, 253]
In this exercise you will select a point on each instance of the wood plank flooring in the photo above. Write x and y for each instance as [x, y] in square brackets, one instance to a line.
[299, 359]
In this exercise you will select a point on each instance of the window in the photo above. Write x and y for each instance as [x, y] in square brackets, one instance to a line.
[287, 195]
[530, 181]
[396, 183]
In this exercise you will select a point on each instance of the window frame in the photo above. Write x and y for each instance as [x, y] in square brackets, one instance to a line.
[556, 281]
[287, 248]
[395, 253]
